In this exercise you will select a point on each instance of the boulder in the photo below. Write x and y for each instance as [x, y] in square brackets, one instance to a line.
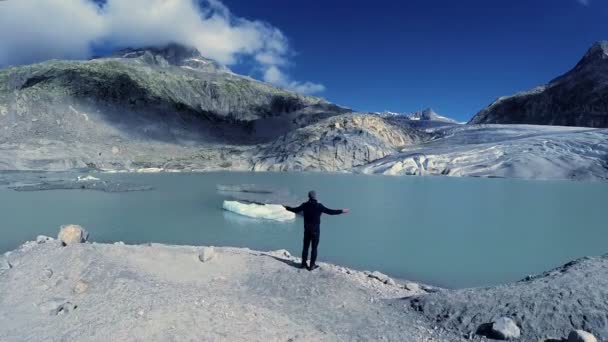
[412, 287]
[505, 328]
[580, 336]
[71, 234]
[206, 254]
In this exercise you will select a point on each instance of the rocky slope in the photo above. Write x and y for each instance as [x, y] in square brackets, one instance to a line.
[171, 94]
[546, 307]
[577, 98]
[100, 292]
[97, 292]
[337, 144]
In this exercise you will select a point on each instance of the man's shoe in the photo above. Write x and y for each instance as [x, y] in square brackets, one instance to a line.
[303, 265]
[313, 267]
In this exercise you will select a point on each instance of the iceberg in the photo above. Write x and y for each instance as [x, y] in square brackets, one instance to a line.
[88, 178]
[259, 194]
[259, 211]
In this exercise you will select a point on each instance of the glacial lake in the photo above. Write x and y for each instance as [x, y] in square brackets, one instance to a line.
[450, 232]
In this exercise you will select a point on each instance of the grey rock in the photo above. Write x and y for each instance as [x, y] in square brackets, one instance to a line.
[581, 336]
[505, 328]
[206, 254]
[577, 98]
[412, 287]
[56, 306]
[43, 239]
[47, 273]
[381, 277]
[282, 252]
[71, 234]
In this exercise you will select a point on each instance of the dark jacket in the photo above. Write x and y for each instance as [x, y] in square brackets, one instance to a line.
[312, 213]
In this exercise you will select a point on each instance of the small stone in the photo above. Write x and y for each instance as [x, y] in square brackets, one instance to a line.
[72, 233]
[206, 254]
[43, 239]
[57, 306]
[581, 336]
[81, 287]
[412, 287]
[47, 273]
[382, 277]
[283, 252]
[505, 328]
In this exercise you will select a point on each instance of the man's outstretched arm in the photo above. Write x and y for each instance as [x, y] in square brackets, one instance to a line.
[334, 211]
[294, 210]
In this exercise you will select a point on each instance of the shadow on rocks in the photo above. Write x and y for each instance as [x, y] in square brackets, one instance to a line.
[286, 261]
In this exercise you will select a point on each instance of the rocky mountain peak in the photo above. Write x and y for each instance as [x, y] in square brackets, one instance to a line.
[425, 114]
[599, 50]
[428, 114]
[171, 54]
[597, 55]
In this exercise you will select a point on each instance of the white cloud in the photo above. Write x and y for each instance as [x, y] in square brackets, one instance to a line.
[274, 75]
[37, 30]
[584, 2]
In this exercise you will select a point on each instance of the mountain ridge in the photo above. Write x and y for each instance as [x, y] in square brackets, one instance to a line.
[577, 98]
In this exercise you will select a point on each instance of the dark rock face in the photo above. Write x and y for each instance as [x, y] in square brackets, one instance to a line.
[577, 98]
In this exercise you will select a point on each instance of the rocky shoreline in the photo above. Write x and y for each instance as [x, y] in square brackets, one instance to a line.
[69, 289]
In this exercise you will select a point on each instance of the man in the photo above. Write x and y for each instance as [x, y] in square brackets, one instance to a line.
[312, 226]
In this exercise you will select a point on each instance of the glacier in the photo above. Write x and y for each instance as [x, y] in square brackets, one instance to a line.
[273, 212]
[510, 151]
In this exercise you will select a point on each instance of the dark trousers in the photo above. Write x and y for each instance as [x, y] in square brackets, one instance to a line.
[310, 237]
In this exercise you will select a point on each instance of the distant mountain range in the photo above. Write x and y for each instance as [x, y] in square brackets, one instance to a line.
[428, 115]
[170, 108]
[577, 98]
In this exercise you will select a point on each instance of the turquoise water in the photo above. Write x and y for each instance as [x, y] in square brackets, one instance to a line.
[453, 232]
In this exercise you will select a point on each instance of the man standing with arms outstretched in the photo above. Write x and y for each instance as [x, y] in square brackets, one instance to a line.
[312, 226]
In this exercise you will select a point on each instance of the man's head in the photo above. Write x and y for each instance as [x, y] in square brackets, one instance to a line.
[312, 195]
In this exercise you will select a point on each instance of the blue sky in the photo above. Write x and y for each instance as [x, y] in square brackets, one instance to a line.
[453, 56]
[396, 55]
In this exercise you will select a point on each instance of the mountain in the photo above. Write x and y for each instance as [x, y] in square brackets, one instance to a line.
[430, 115]
[174, 85]
[577, 98]
[171, 109]
[162, 107]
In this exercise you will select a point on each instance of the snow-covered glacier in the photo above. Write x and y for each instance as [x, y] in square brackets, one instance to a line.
[260, 211]
[514, 151]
